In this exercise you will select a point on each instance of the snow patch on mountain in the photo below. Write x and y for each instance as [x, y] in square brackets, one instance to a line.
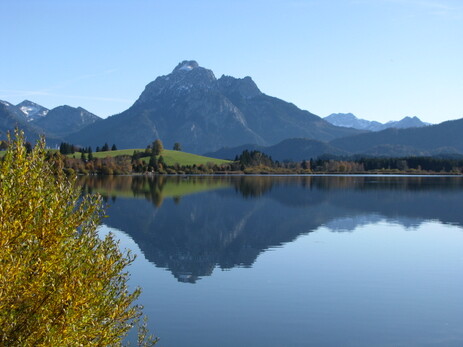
[31, 110]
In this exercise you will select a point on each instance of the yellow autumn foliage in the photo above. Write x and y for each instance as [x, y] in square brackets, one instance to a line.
[60, 284]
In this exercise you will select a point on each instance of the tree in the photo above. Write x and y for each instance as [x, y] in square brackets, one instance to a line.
[157, 147]
[255, 158]
[161, 161]
[66, 148]
[105, 148]
[114, 148]
[60, 284]
[153, 163]
[177, 146]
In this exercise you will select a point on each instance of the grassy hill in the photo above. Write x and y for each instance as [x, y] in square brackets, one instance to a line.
[170, 157]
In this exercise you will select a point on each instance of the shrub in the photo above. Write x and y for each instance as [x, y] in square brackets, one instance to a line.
[60, 284]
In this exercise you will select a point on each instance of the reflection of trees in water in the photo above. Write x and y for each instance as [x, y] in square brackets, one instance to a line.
[191, 235]
[148, 187]
[152, 187]
[255, 186]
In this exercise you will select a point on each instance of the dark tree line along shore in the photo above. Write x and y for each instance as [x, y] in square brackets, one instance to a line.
[255, 162]
[151, 161]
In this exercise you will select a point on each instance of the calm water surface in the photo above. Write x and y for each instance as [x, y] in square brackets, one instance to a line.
[294, 261]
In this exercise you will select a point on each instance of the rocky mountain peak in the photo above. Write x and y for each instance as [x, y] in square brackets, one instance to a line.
[31, 110]
[186, 65]
[245, 87]
[186, 77]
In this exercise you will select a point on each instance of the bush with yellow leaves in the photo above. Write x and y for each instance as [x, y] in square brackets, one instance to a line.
[60, 284]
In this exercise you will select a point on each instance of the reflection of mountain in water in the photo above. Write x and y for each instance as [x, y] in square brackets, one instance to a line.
[352, 223]
[190, 225]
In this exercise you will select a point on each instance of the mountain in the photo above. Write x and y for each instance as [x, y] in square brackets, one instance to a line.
[348, 120]
[203, 113]
[407, 122]
[64, 120]
[442, 140]
[430, 140]
[36, 120]
[11, 117]
[290, 149]
[14, 111]
[31, 110]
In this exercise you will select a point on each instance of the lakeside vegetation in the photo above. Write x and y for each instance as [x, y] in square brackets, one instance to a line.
[60, 283]
[156, 160]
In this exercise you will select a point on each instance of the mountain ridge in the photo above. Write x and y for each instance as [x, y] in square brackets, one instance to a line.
[191, 106]
[63, 120]
[349, 120]
[442, 139]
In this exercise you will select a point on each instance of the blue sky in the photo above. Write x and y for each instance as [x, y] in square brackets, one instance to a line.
[379, 59]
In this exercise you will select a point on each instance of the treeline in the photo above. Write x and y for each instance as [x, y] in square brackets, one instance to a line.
[151, 161]
[410, 165]
[430, 164]
[255, 162]
[68, 148]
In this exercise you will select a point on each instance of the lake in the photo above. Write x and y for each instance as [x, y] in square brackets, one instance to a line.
[293, 260]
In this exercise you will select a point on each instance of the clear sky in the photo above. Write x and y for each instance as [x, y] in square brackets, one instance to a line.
[379, 59]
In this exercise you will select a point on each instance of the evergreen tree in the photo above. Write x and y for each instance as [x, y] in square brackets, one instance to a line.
[177, 146]
[114, 148]
[153, 163]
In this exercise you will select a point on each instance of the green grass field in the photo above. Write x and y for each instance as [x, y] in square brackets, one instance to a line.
[170, 157]
[115, 153]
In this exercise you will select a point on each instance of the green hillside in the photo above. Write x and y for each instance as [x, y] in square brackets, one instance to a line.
[182, 158]
[170, 157]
